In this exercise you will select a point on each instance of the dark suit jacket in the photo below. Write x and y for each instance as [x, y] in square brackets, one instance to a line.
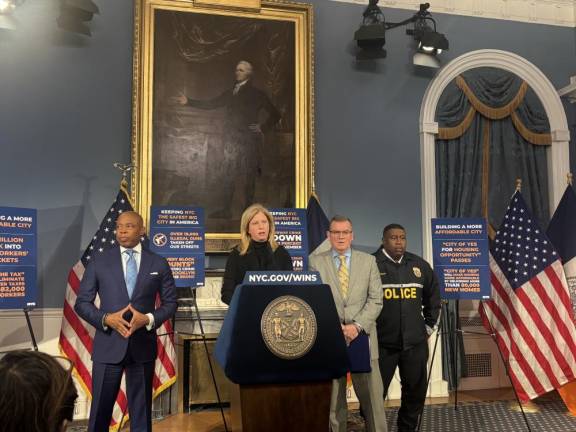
[104, 276]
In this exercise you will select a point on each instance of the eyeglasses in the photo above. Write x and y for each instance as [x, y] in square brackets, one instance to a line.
[341, 233]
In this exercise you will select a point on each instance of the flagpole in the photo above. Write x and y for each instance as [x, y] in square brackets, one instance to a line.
[493, 335]
[438, 333]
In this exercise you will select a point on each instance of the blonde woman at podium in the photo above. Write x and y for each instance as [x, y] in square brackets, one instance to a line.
[257, 250]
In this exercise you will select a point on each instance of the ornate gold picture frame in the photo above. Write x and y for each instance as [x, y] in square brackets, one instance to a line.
[222, 108]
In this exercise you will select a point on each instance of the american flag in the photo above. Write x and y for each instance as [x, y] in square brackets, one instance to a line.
[530, 310]
[76, 335]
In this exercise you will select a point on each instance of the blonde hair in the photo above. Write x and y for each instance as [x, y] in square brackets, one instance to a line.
[247, 216]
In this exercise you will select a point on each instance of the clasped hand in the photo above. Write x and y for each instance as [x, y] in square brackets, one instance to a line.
[117, 322]
[350, 332]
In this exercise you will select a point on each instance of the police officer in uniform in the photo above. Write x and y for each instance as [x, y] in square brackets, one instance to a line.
[410, 313]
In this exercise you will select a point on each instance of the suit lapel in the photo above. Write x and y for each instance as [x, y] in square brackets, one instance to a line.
[333, 274]
[116, 269]
[143, 270]
[354, 272]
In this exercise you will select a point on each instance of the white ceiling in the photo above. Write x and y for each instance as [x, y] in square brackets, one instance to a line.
[553, 12]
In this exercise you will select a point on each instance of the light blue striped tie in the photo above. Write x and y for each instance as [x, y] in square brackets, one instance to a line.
[131, 271]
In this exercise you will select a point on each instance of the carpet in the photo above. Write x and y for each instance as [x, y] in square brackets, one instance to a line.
[494, 416]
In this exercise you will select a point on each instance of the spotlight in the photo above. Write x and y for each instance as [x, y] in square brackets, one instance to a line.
[6, 7]
[7, 20]
[74, 14]
[425, 60]
[430, 43]
[371, 36]
[370, 39]
[429, 40]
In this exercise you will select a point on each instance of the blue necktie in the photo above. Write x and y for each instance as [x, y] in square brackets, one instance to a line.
[131, 271]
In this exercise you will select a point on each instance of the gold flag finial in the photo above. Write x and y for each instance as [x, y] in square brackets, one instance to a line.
[518, 184]
[569, 178]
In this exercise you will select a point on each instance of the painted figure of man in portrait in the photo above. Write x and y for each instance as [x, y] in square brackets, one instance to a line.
[249, 114]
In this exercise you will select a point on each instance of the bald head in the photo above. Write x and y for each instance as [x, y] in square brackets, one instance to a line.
[129, 229]
[131, 215]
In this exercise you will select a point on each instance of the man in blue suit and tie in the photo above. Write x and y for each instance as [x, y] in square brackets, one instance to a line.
[127, 280]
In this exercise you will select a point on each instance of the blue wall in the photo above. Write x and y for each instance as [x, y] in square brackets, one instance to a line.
[65, 115]
[64, 119]
[368, 160]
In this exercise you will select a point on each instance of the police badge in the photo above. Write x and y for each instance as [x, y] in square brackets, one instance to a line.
[417, 272]
[288, 327]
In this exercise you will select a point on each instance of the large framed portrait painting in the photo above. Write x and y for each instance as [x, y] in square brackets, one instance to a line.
[222, 109]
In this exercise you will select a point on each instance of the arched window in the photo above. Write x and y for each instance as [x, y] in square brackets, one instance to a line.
[550, 162]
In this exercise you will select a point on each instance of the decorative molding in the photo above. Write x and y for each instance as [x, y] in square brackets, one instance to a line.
[560, 135]
[569, 92]
[233, 4]
[553, 12]
[35, 313]
[558, 153]
[209, 294]
[429, 128]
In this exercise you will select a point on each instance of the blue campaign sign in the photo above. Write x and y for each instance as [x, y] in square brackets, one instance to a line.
[292, 233]
[18, 255]
[178, 234]
[461, 257]
[175, 240]
[282, 278]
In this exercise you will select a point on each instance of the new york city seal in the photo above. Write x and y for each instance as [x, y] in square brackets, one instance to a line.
[288, 327]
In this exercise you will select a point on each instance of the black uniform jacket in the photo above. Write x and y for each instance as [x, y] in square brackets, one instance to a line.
[411, 299]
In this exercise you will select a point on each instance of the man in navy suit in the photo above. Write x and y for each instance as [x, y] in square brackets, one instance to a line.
[127, 279]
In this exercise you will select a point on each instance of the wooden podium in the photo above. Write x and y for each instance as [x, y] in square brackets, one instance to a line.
[274, 393]
[281, 407]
